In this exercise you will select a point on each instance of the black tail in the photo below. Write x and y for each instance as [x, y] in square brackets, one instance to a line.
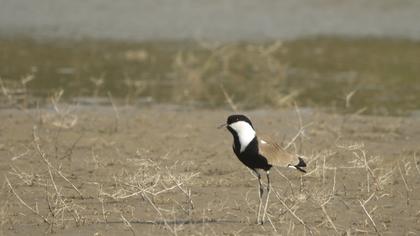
[301, 165]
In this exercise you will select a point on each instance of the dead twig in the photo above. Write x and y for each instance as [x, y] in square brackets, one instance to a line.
[329, 218]
[159, 213]
[333, 189]
[301, 132]
[403, 178]
[44, 158]
[292, 213]
[368, 215]
[349, 97]
[187, 193]
[228, 99]
[415, 163]
[299, 116]
[287, 179]
[25, 204]
[21, 155]
[271, 222]
[128, 224]
[368, 170]
[117, 114]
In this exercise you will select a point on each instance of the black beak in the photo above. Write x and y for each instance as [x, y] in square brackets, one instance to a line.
[221, 126]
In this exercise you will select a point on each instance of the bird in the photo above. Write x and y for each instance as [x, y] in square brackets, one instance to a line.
[259, 154]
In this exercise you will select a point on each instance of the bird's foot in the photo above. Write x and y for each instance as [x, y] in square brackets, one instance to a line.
[260, 222]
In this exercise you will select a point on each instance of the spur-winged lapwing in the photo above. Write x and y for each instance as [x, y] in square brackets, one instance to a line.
[258, 154]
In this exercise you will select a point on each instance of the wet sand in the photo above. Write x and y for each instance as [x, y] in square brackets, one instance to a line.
[162, 169]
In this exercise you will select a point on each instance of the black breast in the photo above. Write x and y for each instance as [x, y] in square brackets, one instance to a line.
[250, 156]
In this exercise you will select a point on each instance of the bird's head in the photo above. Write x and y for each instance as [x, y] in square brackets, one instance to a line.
[238, 119]
[239, 125]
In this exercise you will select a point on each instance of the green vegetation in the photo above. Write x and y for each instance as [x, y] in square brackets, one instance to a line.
[377, 75]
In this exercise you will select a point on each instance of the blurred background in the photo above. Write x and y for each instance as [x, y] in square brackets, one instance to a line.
[344, 56]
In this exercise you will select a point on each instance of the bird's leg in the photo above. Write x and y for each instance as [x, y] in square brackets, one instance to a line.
[261, 191]
[268, 195]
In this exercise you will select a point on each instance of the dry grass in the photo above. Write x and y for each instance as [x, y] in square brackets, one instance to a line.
[233, 68]
[150, 181]
[77, 184]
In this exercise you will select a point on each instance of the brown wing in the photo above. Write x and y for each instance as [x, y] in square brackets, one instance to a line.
[275, 154]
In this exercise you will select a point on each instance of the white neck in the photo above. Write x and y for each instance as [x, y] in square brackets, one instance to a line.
[245, 133]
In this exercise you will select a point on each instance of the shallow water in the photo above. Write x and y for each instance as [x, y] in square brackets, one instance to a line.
[212, 20]
[372, 76]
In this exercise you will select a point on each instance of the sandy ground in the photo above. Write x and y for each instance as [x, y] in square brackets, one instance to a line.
[159, 170]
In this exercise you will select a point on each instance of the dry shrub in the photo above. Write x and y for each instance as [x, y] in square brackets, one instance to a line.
[16, 93]
[251, 73]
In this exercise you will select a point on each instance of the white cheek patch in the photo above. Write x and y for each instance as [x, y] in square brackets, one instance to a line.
[245, 133]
